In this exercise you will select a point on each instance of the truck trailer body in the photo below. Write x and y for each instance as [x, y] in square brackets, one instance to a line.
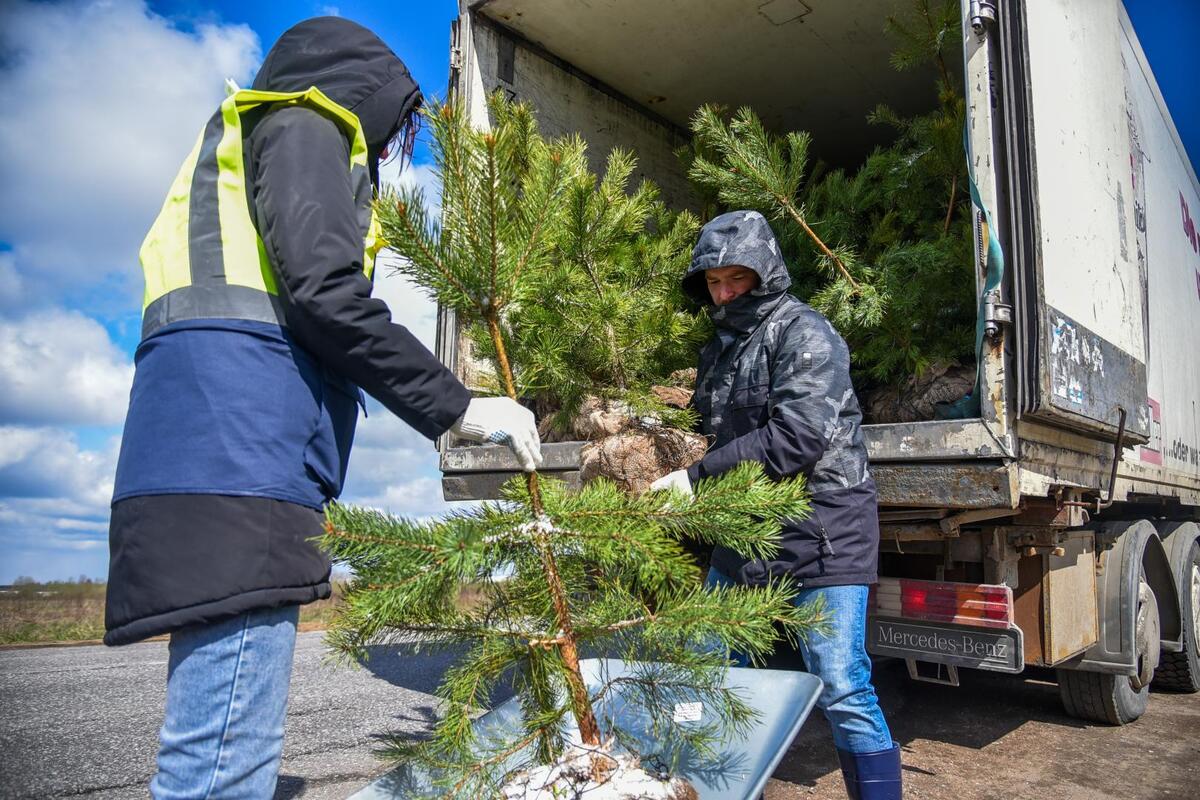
[1058, 528]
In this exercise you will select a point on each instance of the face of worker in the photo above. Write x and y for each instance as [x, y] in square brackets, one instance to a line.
[726, 284]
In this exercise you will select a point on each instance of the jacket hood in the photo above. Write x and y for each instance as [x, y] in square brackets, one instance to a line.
[353, 67]
[737, 238]
[745, 239]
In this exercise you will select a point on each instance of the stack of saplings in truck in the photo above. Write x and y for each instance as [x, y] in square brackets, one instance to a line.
[984, 199]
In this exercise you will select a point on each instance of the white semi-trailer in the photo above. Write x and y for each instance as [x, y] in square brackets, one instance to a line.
[1059, 527]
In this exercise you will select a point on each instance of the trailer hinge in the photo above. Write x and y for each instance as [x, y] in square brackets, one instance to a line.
[995, 314]
[983, 15]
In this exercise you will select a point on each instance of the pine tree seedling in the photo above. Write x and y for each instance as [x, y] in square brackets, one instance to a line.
[553, 572]
[883, 251]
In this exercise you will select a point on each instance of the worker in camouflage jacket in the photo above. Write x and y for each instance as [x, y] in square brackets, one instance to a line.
[773, 386]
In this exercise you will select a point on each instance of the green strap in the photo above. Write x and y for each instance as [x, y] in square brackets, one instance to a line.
[969, 406]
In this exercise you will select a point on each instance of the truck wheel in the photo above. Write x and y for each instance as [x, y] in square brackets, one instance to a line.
[1180, 672]
[1117, 699]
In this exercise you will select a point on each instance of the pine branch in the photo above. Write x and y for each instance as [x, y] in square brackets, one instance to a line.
[756, 170]
[421, 252]
[493, 303]
[566, 282]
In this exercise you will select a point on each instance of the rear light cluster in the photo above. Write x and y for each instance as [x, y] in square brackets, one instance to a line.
[956, 603]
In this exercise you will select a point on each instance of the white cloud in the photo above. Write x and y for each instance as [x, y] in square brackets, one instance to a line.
[393, 468]
[421, 176]
[410, 305]
[47, 469]
[61, 366]
[111, 97]
[418, 497]
[54, 499]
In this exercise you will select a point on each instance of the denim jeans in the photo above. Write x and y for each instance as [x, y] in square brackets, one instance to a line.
[227, 690]
[840, 660]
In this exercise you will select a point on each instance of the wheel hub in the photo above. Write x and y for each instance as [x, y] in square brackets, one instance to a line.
[1146, 636]
[1196, 606]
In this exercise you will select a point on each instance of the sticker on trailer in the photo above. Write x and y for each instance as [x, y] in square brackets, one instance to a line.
[1151, 451]
[1091, 376]
[996, 649]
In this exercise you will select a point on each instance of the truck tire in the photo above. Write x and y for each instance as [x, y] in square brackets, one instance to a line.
[1117, 699]
[1180, 672]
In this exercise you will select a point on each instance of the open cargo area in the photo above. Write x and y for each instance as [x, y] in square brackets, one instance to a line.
[1058, 371]
[1053, 523]
[631, 76]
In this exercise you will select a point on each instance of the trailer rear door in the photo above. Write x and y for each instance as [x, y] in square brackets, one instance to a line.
[1081, 287]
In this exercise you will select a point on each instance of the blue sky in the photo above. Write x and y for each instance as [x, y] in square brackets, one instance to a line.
[1167, 30]
[111, 96]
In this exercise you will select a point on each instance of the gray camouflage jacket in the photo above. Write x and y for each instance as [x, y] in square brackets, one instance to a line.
[773, 386]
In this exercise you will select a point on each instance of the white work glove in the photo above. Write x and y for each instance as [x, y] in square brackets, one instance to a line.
[677, 480]
[503, 421]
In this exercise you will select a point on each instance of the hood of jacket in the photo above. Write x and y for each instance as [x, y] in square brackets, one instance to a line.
[745, 239]
[353, 67]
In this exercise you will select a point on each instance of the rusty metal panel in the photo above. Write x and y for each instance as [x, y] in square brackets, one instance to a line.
[1089, 378]
[556, 456]
[486, 485]
[947, 485]
[1028, 607]
[937, 440]
[1052, 457]
[1069, 599]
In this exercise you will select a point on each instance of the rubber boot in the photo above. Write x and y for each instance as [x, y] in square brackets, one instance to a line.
[872, 776]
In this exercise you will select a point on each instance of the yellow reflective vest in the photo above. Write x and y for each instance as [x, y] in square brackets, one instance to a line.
[203, 257]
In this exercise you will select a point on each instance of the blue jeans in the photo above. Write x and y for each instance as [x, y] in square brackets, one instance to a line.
[227, 690]
[840, 660]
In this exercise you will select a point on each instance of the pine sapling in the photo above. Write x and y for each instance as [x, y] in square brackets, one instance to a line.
[885, 250]
[552, 571]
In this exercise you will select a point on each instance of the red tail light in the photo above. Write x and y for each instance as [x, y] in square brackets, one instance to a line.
[960, 603]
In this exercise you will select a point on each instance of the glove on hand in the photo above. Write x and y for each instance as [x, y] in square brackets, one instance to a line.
[677, 480]
[503, 421]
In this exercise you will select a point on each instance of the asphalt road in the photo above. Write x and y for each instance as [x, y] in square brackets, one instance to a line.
[1005, 737]
[83, 721]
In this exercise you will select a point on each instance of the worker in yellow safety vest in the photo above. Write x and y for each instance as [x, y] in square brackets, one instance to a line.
[258, 331]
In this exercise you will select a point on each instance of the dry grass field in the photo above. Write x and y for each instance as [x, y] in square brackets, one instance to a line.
[51, 612]
[47, 613]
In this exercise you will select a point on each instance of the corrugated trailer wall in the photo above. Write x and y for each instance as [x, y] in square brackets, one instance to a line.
[1109, 311]
[568, 101]
[1163, 233]
[487, 57]
[1092, 347]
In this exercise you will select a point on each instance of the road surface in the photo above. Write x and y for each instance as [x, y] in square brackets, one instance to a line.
[83, 721]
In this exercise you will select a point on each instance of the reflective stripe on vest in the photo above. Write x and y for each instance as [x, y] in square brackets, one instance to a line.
[203, 257]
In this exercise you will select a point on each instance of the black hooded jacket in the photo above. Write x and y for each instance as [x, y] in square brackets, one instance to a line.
[773, 386]
[304, 209]
[178, 559]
